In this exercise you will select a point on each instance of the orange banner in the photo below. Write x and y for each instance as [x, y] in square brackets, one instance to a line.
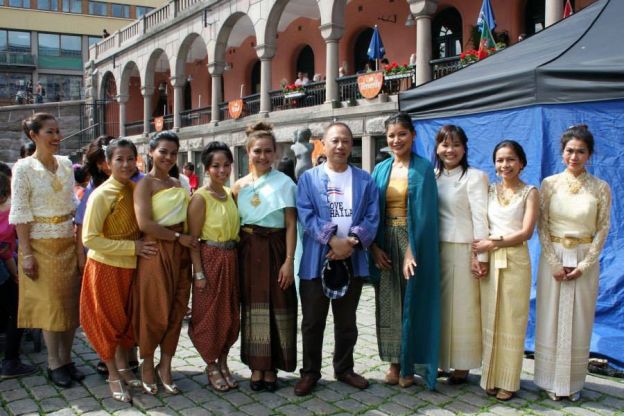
[370, 84]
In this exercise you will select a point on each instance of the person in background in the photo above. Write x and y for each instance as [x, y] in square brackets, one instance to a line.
[573, 227]
[189, 171]
[81, 180]
[462, 196]
[105, 34]
[338, 207]
[513, 207]
[213, 218]
[162, 285]
[12, 366]
[405, 261]
[112, 234]
[302, 79]
[266, 204]
[42, 206]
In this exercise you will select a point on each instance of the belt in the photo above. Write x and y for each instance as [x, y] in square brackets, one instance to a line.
[225, 245]
[57, 219]
[396, 221]
[571, 242]
[250, 229]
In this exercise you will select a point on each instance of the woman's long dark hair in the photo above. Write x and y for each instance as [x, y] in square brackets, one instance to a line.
[96, 154]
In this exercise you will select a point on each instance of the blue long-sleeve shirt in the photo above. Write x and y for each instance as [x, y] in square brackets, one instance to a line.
[314, 215]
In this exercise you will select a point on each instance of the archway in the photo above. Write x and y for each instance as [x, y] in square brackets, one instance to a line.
[191, 67]
[109, 107]
[305, 61]
[446, 32]
[255, 78]
[360, 50]
[130, 87]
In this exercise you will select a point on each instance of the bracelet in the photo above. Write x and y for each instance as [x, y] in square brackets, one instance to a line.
[199, 276]
[27, 256]
[290, 257]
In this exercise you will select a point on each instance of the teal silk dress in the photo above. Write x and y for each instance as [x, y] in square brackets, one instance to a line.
[420, 307]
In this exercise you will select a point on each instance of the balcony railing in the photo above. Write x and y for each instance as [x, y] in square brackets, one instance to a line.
[444, 66]
[17, 58]
[224, 111]
[196, 116]
[134, 128]
[348, 88]
[251, 104]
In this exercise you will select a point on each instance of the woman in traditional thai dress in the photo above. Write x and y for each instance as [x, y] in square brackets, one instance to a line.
[462, 198]
[213, 218]
[162, 287]
[574, 223]
[42, 210]
[406, 262]
[266, 203]
[512, 212]
[112, 235]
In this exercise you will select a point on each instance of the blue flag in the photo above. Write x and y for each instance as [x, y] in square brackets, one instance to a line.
[376, 49]
[486, 14]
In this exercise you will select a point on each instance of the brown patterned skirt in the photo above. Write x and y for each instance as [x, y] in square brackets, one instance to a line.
[269, 314]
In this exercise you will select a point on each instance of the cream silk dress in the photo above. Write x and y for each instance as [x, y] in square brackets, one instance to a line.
[505, 296]
[462, 202]
[580, 208]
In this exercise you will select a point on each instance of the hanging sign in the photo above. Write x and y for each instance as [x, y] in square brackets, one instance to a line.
[370, 84]
[235, 107]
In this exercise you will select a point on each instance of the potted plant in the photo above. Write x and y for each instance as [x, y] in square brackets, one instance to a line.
[396, 71]
[293, 91]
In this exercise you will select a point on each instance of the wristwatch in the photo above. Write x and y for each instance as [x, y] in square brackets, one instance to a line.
[177, 236]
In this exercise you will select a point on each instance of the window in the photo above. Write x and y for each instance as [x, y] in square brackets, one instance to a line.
[19, 41]
[11, 83]
[47, 5]
[72, 6]
[20, 3]
[98, 9]
[142, 10]
[61, 87]
[446, 29]
[71, 45]
[120, 10]
[4, 42]
[49, 44]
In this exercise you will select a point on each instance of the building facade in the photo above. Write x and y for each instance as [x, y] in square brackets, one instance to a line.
[188, 64]
[47, 42]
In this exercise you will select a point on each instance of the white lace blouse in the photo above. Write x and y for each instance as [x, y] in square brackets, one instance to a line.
[32, 195]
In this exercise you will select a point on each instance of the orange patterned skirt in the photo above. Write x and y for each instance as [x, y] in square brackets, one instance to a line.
[104, 307]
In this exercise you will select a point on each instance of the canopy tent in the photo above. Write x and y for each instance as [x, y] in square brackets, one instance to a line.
[569, 73]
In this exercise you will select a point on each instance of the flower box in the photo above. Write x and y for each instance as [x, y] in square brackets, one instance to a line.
[296, 94]
[397, 76]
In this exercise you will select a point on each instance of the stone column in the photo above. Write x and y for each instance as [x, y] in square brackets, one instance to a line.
[423, 11]
[554, 11]
[122, 99]
[216, 72]
[234, 171]
[265, 54]
[368, 153]
[331, 33]
[147, 92]
[178, 84]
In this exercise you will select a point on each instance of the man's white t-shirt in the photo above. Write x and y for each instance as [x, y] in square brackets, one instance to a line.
[340, 199]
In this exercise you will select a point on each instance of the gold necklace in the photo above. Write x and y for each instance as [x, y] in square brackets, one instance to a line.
[575, 183]
[255, 198]
[507, 195]
[57, 185]
[216, 194]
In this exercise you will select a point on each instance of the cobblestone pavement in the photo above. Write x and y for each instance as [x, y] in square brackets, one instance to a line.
[35, 395]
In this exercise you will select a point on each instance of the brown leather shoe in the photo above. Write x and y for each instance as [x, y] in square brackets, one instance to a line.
[306, 383]
[353, 379]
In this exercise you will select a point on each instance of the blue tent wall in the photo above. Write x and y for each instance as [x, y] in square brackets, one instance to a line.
[538, 129]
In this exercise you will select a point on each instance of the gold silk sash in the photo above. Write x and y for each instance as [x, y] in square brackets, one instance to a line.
[121, 223]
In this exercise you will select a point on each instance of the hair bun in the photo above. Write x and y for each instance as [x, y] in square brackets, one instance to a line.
[259, 126]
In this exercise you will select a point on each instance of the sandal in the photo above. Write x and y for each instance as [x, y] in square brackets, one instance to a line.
[406, 381]
[151, 389]
[392, 376]
[458, 377]
[504, 395]
[215, 378]
[491, 392]
[229, 378]
[121, 396]
[130, 381]
[169, 388]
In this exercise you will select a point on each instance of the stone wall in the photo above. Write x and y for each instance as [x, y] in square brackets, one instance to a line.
[69, 115]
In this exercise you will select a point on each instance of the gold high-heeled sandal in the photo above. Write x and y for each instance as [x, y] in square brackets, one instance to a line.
[169, 388]
[121, 396]
[133, 382]
[151, 389]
